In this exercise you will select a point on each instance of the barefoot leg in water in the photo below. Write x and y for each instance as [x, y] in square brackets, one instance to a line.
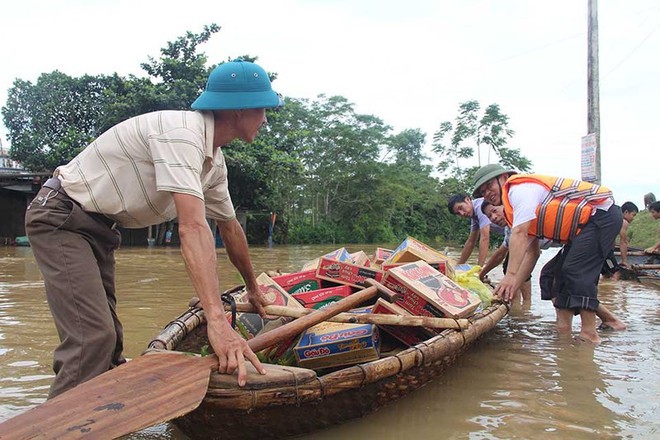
[564, 321]
[588, 329]
[610, 320]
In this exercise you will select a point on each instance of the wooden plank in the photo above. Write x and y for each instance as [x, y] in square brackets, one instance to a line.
[148, 390]
[145, 391]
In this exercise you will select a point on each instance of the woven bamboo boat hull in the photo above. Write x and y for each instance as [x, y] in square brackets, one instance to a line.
[637, 257]
[291, 401]
[650, 278]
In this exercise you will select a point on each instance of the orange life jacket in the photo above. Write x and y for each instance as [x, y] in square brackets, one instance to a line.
[565, 210]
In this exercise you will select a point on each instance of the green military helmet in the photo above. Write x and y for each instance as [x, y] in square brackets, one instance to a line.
[487, 172]
[237, 85]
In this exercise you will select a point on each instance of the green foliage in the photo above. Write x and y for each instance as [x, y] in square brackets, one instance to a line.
[330, 173]
[50, 121]
[458, 142]
[644, 231]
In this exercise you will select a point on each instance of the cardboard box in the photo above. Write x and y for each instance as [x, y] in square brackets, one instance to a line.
[318, 299]
[444, 267]
[252, 323]
[346, 273]
[410, 302]
[407, 335]
[340, 254]
[411, 250]
[333, 344]
[382, 254]
[299, 282]
[427, 292]
[361, 259]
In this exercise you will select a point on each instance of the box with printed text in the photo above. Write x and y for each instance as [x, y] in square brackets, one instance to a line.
[333, 344]
[317, 299]
[346, 273]
[408, 335]
[299, 281]
[427, 292]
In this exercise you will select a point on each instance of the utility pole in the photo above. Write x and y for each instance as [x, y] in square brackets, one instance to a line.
[593, 95]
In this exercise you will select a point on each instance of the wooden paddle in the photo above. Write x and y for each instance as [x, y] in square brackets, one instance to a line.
[148, 390]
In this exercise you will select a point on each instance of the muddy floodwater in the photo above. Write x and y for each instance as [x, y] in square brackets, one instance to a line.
[519, 381]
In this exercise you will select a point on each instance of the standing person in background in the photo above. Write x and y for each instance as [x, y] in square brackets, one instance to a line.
[144, 171]
[578, 214]
[654, 209]
[480, 226]
[612, 267]
[649, 198]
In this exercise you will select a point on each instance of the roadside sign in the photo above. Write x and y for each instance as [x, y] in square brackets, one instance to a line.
[588, 168]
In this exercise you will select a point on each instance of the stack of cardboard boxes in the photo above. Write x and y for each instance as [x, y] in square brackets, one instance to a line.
[424, 276]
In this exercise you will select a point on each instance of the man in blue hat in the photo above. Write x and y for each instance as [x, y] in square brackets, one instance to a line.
[144, 171]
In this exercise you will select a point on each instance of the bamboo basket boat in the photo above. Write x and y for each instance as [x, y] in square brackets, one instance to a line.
[641, 267]
[290, 401]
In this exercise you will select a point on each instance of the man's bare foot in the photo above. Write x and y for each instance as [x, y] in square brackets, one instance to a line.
[588, 337]
[613, 325]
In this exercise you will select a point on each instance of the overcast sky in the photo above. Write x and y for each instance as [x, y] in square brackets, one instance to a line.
[408, 62]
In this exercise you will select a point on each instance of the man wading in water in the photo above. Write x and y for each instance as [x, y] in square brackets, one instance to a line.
[580, 215]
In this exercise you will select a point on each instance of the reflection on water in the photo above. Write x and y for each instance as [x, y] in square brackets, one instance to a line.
[520, 381]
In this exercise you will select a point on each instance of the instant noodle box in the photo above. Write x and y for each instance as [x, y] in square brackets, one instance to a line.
[340, 254]
[334, 344]
[427, 292]
[298, 282]
[361, 259]
[317, 299]
[411, 250]
[346, 273]
[382, 254]
[444, 266]
[408, 335]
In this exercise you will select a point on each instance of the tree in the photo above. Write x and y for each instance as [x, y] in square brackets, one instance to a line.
[407, 147]
[50, 121]
[455, 143]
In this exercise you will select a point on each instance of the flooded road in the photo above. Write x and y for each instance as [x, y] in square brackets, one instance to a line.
[519, 381]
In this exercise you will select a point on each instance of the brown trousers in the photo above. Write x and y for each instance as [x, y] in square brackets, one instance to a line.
[75, 253]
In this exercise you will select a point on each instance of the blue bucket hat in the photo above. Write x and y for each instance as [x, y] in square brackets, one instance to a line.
[237, 85]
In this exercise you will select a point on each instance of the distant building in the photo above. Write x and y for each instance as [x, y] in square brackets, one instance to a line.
[6, 163]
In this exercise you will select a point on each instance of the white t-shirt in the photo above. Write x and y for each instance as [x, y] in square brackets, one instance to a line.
[525, 198]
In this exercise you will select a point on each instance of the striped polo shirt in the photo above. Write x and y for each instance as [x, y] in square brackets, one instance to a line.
[130, 172]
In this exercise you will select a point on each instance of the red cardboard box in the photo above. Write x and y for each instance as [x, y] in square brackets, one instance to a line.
[411, 250]
[346, 273]
[382, 254]
[444, 267]
[317, 299]
[299, 282]
[407, 335]
[340, 254]
[361, 259]
[429, 292]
